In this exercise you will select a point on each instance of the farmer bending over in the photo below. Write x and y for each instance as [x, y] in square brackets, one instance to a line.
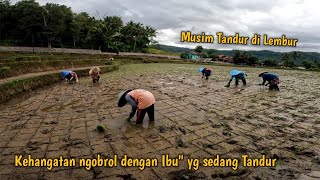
[272, 79]
[238, 75]
[69, 76]
[95, 74]
[206, 72]
[139, 99]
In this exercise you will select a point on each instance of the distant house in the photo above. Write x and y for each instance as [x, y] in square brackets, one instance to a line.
[190, 55]
[224, 58]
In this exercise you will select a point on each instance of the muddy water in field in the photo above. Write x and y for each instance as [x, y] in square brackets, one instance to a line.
[195, 117]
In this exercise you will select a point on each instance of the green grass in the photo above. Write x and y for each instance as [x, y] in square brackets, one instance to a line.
[162, 52]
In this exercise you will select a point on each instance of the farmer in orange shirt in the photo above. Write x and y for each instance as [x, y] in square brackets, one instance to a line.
[95, 74]
[139, 99]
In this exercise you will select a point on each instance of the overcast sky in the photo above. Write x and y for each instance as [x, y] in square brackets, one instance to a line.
[293, 18]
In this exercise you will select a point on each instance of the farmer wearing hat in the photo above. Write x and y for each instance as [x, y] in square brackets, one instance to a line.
[206, 72]
[238, 75]
[95, 74]
[69, 76]
[140, 100]
[272, 79]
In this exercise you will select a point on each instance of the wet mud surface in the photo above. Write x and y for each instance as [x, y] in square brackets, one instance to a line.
[194, 117]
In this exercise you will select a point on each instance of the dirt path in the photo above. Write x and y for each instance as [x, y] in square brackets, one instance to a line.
[23, 76]
[194, 117]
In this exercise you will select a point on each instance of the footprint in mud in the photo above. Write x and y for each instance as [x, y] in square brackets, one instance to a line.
[18, 126]
[230, 174]
[46, 131]
[232, 142]
[287, 172]
[51, 122]
[186, 174]
[34, 145]
[243, 150]
[216, 125]
[226, 133]
[226, 126]
[75, 144]
[210, 146]
[126, 177]
[15, 120]
[195, 123]
[96, 171]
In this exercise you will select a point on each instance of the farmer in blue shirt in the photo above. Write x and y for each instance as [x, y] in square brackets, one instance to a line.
[238, 75]
[69, 76]
[272, 79]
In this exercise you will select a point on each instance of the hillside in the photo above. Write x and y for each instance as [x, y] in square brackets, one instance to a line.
[261, 55]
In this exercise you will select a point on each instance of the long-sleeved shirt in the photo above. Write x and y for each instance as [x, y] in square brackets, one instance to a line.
[133, 104]
[241, 75]
[268, 77]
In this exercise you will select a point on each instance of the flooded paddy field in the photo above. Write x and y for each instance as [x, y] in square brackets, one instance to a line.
[194, 117]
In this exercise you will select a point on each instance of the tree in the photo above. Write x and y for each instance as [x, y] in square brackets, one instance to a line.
[5, 9]
[96, 34]
[252, 60]
[308, 64]
[287, 60]
[240, 57]
[199, 49]
[112, 33]
[294, 55]
[270, 63]
[26, 21]
[78, 26]
[55, 20]
[211, 53]
[316, 63]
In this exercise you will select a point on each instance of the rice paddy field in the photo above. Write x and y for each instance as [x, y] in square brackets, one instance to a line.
[194, 117]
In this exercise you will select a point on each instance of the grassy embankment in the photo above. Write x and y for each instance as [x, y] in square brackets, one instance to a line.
[17, 87]
[13, 64]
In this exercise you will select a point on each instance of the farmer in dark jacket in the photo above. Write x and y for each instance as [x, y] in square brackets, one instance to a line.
[206, 72]
[238, 75]
[272, 79]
